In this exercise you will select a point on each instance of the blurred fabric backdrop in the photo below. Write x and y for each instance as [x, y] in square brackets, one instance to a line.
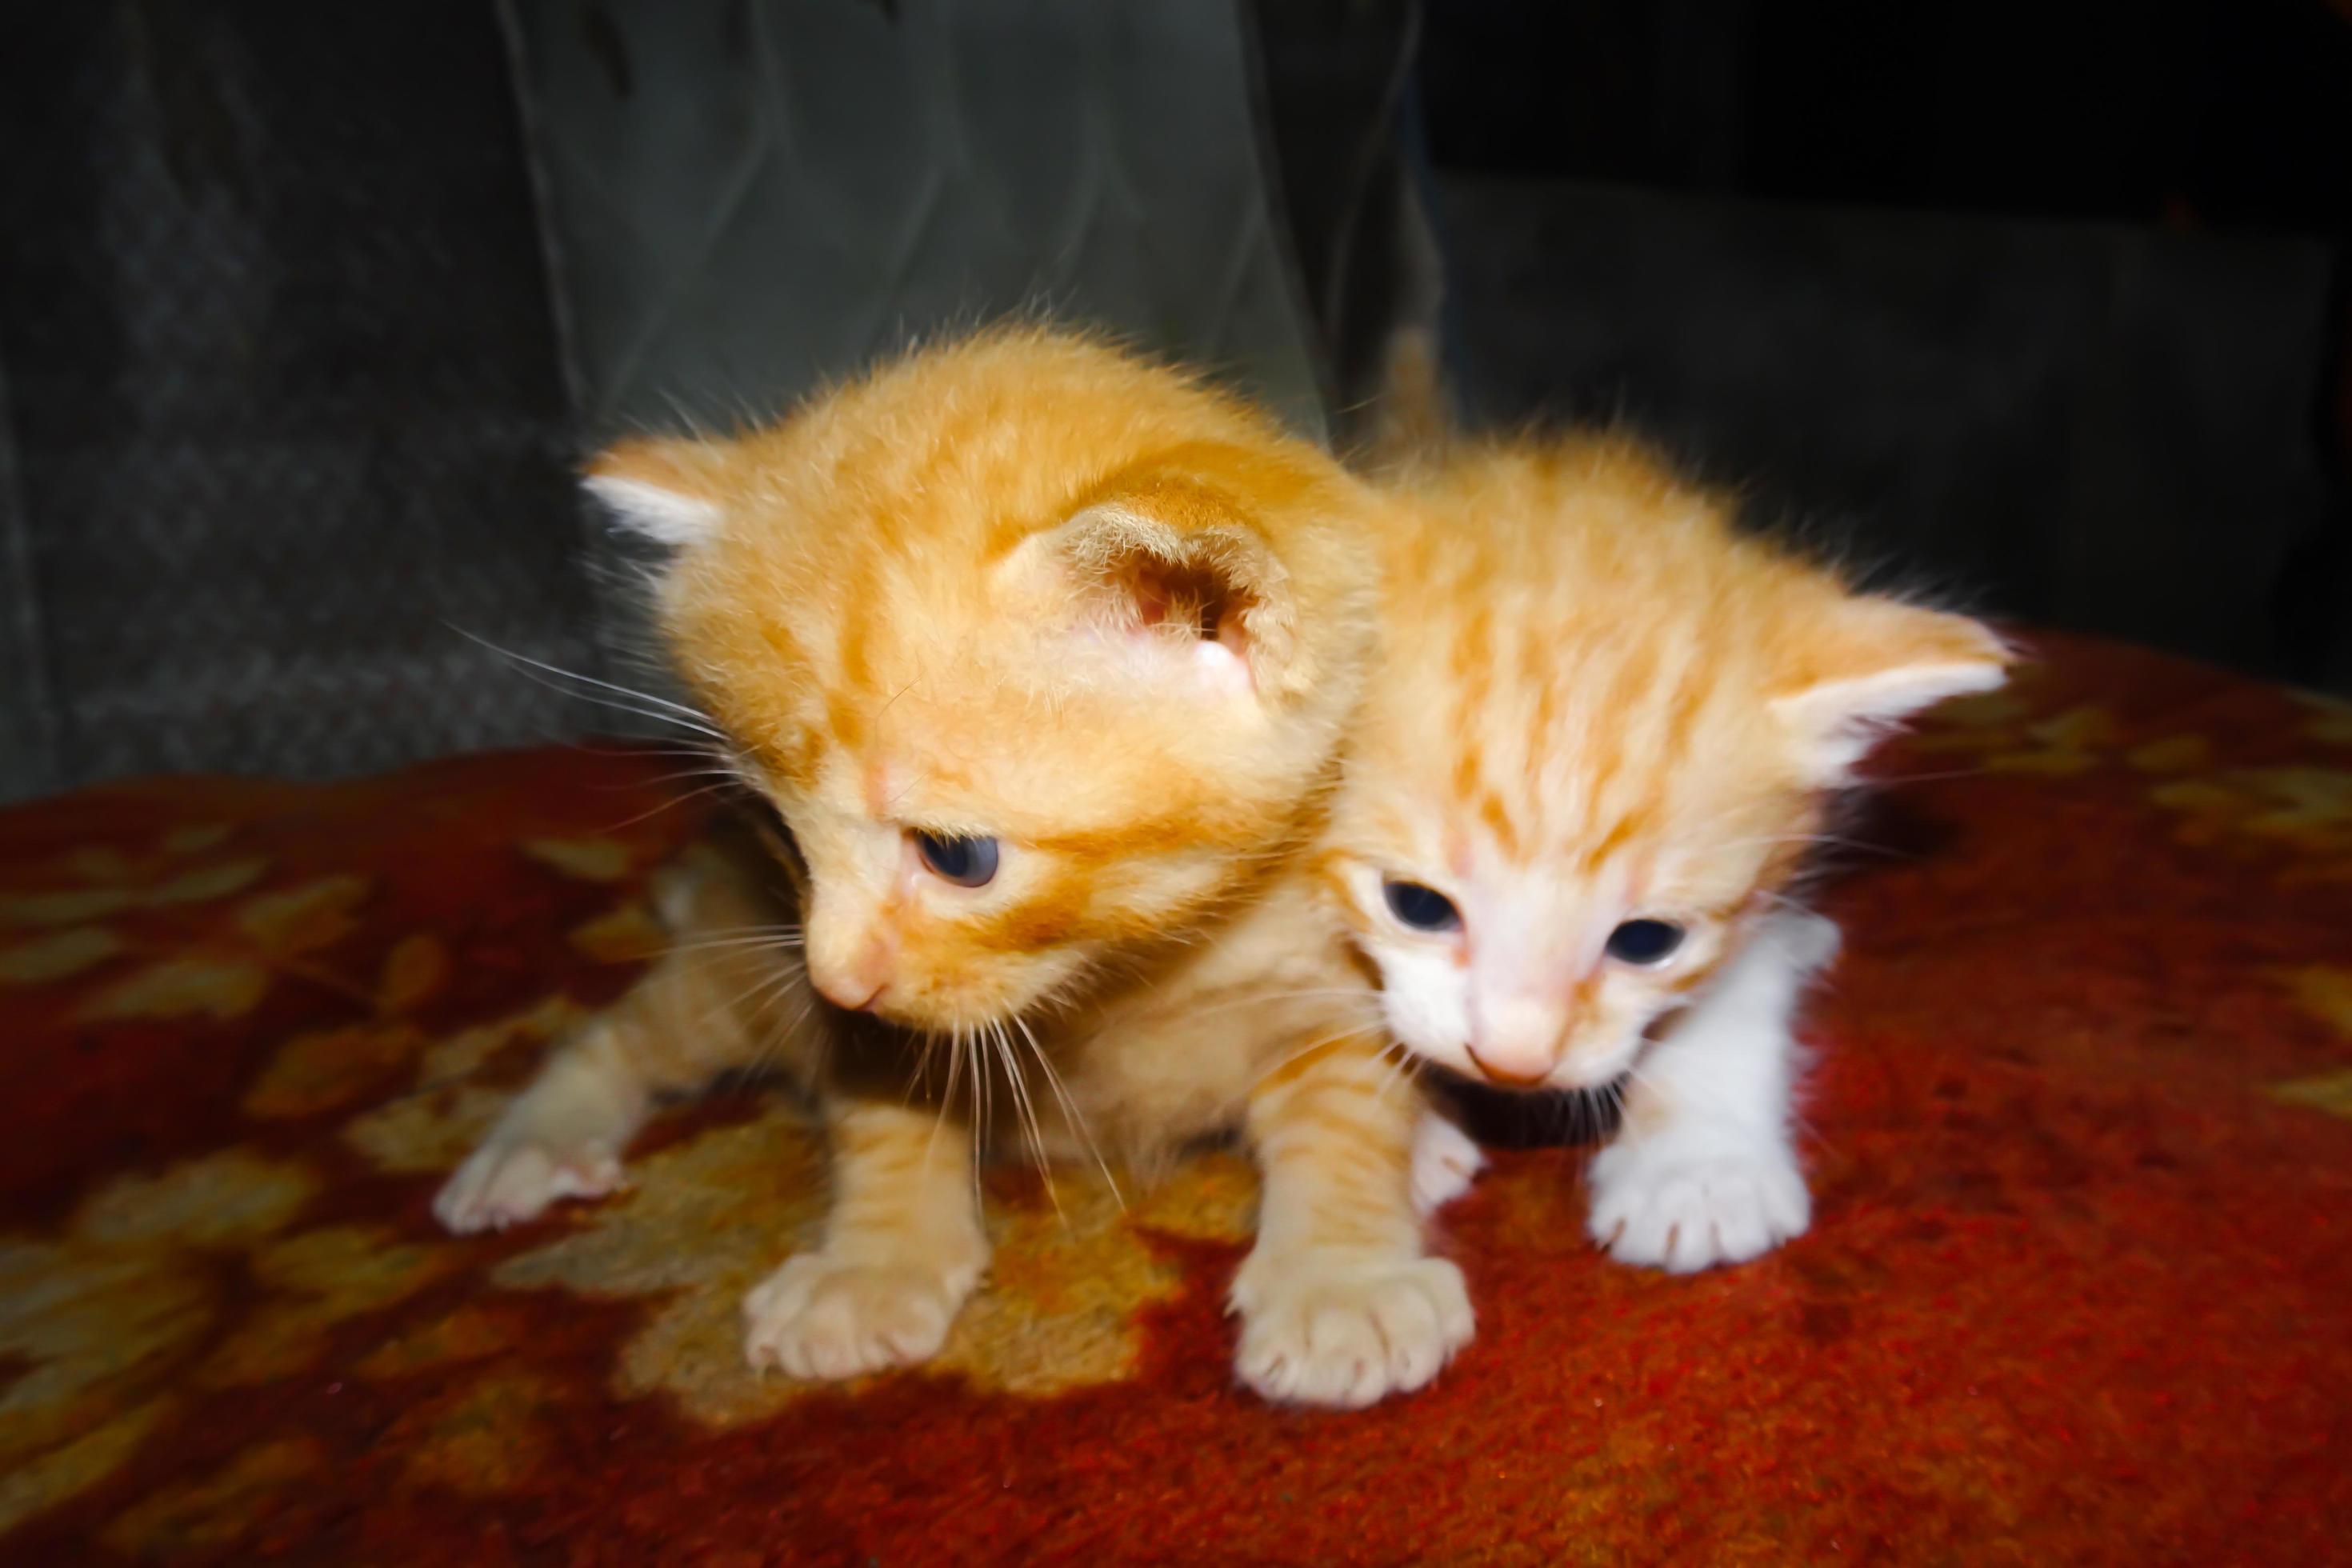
[305, 312]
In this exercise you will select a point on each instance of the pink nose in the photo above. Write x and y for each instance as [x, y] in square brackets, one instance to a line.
[843, 992]
[1517, 1040]
[1522, 1079]
[857, 983]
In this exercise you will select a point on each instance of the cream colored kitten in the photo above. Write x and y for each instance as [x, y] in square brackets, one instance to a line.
[1605, 732]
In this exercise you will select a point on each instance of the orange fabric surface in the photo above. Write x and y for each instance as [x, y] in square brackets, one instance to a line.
[2077, 1290]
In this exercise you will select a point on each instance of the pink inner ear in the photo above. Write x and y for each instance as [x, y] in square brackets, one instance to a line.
[1150, 603]
[1223, 650]
[1166, 604]
[1221, 667]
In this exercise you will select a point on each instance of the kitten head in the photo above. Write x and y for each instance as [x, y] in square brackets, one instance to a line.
[1038, 649]
[1604, 733]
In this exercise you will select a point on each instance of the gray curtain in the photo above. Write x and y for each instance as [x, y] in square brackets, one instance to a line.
[307, 312]
[744, 197]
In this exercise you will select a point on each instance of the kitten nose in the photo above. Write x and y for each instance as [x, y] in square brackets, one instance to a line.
[846, 994]
[1516, 1041]
[856, 981]
[1493, 1074]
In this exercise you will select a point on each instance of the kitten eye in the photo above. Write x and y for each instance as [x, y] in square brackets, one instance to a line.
[1423, 909]
[1644, 942]
[966, 862]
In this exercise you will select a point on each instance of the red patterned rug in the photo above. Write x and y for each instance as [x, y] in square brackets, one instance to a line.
[2078, 1290]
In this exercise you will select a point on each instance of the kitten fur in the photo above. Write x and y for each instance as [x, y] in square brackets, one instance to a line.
[1600, 703]
[1025, 588]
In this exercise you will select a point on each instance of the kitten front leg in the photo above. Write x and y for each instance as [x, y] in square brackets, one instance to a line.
[1340, 1303]
[561, 1137]
[1704, 1170]
[708, 1005]
[903, 1248]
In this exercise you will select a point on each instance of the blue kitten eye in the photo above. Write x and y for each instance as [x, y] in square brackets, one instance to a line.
[1645, 942]
[966, 862]
[1423, 909]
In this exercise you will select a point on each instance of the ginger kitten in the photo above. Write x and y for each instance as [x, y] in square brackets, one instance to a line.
[1605, 732]
[1041, 656]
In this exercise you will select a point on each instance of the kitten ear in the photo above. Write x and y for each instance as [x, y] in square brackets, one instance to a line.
[1873, 664]
[663, 491]
[1171, 570]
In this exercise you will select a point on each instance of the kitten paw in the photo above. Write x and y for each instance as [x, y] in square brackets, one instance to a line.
[508, 1182]
[822, 1317]
[1683, 1210]
[1445, 1161]
[1811, 941]
[1347, 1330]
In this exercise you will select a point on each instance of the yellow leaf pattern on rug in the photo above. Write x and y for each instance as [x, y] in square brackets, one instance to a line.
[1211, 1196]
[1058, 1310]
[319, 1278]
[2175, 754]
[303, 920]
[470, 1334]
[232, 1198]
[2308, 810]
[430, 1131]
[2327, 991]
[446, 1115]
[515, 1039]
[2330, 1092]
[99, 863]
[2070, 744]
[1059, 1307]
[1998, 727]
[414, 970]
[195, 838]
[219, 1511]
[627, 935]
[69, 907]
[181, 987]
[49, 1478]
[482, 1440]
[749, 1195]
[104, 1321]
[2330, 721]
[209, 882]
[588, 859]
[68, 953]
[327, 1068]
[116, 876]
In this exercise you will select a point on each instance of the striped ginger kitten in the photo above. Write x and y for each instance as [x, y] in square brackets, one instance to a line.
[1607, 729]
[1043, 658]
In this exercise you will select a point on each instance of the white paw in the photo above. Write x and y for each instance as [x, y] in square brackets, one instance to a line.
[1809, 939]
[1681, 1209]
[509, 1181]
[819, 1316]
[1445, 1161]
[1344, 1330]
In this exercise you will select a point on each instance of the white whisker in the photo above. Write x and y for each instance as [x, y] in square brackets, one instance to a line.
[760, 988]
[1407, 1067]
[1070, 1111]
[671, 802]
[659, 708]
[1027, 1108]
[981, 1122]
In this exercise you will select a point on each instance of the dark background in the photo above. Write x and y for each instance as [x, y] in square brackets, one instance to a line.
[2047, 301]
